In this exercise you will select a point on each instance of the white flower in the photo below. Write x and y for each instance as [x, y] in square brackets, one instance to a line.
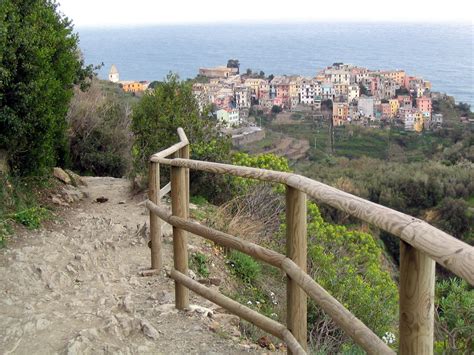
[389, 338]
[249, 302]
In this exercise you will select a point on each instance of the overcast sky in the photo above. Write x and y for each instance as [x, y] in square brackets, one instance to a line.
[143, 12]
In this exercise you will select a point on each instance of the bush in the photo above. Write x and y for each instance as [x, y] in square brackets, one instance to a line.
[39, 63]
[155, 121]
[100, 136]
[454, 317]
[198, 263]
[348, 264]
[244, 266]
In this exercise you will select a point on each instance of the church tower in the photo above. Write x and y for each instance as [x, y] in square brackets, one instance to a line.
[113, 74]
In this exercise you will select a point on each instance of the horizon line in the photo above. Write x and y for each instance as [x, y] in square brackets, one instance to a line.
[272, 22]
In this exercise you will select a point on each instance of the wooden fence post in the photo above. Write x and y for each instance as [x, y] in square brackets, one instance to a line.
[296, 250]
[155, 222]
[417, 283]
[180, 247]
[184, 154]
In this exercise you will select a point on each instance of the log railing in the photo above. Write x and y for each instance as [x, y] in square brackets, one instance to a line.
[421, 246]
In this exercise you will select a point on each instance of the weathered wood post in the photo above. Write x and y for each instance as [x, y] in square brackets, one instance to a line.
[296, 250]
[184, 153]
[180, 245]
[155, 222]
[417, 282]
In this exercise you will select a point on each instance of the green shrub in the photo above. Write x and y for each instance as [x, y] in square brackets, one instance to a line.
[244, 266]
[155, 121]
[198, 263]
[454, 316]
[100, 139]
[31, 217]
[348, 264]
[198, 200]
[39, 63]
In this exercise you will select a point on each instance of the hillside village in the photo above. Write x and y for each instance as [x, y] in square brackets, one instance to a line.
[359, 95]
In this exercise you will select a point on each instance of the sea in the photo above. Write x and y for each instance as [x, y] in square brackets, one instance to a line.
[442, 53]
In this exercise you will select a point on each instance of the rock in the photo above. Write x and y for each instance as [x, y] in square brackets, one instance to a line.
[149, 330]
[227, 320]
[214, 326]
[264, 341]
[72, 194]
[271, 347]
[78, 345]
[58, 201]
[101, 199]
[61, 175]
[121, 203]
[76, 179]
[71, 269]
[192, 274]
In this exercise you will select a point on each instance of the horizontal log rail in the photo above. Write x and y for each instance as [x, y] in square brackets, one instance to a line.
[452, 253]
[357, 330]
[265, 323]
[421, 245]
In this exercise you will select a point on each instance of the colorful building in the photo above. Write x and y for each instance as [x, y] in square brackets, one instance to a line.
[394, 106]
[424, 105]
[340, 113]
[229, 117]
[133, 86]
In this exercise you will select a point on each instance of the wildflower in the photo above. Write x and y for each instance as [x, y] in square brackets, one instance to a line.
[389, 338]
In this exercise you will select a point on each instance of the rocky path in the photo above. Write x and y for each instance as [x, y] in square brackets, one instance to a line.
[74, 287]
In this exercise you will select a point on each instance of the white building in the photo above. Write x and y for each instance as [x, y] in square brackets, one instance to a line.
[230, 118]
[366, 106]
[353, 92]
[410, 118]
[242, 96]
[310, 90]
[114, 74]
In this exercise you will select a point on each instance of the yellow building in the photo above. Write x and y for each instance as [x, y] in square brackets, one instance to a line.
[132, 86]
[394, 106]
[396, 75]
[419, 121]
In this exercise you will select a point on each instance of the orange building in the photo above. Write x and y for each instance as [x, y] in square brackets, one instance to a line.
[133, 86]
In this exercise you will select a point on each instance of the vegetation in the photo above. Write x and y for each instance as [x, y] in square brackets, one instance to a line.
[349, 265]
[244, 266]
[39, 64]
[155, 120]
[198, 263]
[20, 202]
[454, 317]
[100, 136]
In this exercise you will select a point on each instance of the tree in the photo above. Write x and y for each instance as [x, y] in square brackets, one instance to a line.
[363, 90]
[261, 74]
[39, 64]
[155, 120]
[270, 77]
[233, 63]
[249, 72]
[276, 109]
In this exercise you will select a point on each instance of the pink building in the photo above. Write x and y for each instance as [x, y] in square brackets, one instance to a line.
[386, 110]
[405, 101]
[423, 104]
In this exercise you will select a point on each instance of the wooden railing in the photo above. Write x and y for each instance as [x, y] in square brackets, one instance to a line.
[421, 245]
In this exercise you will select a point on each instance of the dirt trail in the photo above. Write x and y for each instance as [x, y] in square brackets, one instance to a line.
[73, 287]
